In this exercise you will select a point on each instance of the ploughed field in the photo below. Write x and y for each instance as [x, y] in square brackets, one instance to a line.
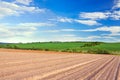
[42, 65]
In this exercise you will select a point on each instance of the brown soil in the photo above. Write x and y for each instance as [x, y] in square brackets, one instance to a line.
[16, 65]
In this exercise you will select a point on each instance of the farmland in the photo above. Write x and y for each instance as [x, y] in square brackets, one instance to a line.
[74, 47]
[49, 65]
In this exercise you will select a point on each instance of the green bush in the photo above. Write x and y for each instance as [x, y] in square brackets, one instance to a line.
[91, 44]
[98, 51]
[46, 49]
[15, 47]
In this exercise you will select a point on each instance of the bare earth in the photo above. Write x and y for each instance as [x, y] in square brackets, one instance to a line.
[41, 65]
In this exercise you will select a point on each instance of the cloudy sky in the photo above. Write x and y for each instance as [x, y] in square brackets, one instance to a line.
[59, 20]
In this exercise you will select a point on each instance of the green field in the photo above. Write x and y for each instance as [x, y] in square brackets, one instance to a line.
[77, 47]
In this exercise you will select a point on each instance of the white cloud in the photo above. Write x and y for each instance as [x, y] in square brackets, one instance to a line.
[116, 4]
[101, 38]
[23, 33]
[91, 18]
[88, 22]
[64, 19]
[20, 30]
[69, 30]
[64, 38]
[12, 9]
[65, 35]
[35, 24]
[25, 2]
[112, 29]
[93, 37]
[71, 37]
[8, 32]
[94, 15]
[60, 30]
[51, 31]
[115, 15]
[112, 35]
[70, 20]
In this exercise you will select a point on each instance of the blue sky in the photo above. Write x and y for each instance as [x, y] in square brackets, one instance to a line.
[59, 20]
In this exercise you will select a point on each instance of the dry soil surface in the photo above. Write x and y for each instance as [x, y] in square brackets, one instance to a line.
[41, 65]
